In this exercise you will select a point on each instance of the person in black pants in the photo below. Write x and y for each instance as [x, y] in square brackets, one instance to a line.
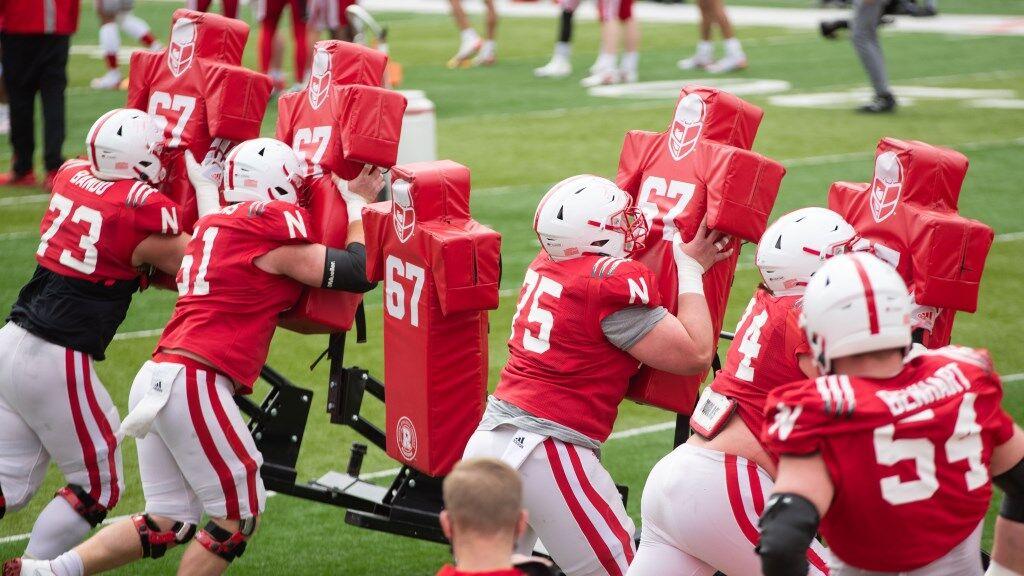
[34, 44]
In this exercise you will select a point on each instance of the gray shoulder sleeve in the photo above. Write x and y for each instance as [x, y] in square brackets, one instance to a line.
[628, 326]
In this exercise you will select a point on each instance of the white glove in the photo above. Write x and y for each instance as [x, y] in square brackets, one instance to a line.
[205, 179]
[923, 317]
[690, 272]
[354, 203]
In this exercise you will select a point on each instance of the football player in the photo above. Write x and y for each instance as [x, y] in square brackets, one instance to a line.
[245, 265]
[724, 461]
[268, 14]
[474, 51]
[712, 12]
[105, 221]
[587, 317]
[229, 7]
[560, 65]
[115, 14]
[892, 454]
[616, 21]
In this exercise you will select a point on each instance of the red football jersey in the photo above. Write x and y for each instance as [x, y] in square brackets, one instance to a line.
[310, 121]
[561, 366]
[763, 355]
[227, 307]
[908, 455]
[93, 226]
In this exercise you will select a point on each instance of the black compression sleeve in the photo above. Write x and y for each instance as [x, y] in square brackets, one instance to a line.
[565, 27]
[1011, 483]
[787, 526]
[346, 269]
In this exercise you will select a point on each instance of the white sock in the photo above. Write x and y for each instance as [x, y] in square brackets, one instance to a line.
[68, 564]
[630, 61]
[733, 47]
[488, 47]
[110, 38]
[705, 49]
[5, 110]
[563, 50]
[135, 27]
[57, 529]
[604, 62]
[469, 36]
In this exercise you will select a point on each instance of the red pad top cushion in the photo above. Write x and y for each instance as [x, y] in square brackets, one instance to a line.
[438, 189]
[371, 127]
[930, 176]
[215, 37]
[348, 63]
[740, 188]
[725, 118]
[236, 101]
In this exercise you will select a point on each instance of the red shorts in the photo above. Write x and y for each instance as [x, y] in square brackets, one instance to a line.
[608, 9]
[271, 10]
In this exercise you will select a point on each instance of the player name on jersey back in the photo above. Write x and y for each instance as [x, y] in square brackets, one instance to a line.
[945, 382]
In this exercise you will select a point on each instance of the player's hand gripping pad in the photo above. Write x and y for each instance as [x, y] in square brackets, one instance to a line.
[441, 272]
[194, 87]
[909, 211]
[699, 167]
[322, 311]
[370, 127]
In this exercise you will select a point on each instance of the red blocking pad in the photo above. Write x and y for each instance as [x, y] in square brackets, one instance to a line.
[370, 128]
[236, 101]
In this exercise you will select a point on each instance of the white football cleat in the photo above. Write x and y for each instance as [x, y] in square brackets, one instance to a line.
[602, 78]
[629, 76]
[556, 68]
[695, 62]
[109, 81]
[729, 63]
[467, 50]
[486, 56]
[27, 567]
[156, 46]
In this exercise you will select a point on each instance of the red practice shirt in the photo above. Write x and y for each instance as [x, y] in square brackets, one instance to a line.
[561, 366]
[763, 355]
[227, 307]
[908, 455]
[39, 16]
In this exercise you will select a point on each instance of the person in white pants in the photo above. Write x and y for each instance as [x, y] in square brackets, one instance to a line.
[115, 16]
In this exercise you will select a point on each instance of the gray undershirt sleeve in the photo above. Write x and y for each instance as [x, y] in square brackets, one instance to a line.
[628, 326]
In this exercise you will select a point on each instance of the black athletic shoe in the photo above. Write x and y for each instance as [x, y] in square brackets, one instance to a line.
[879, 105]
[830, 27]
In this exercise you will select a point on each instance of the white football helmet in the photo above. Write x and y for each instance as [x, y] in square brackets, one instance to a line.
[856, 303]
[126, 144]
[797, 244]
[588, 215]
[262, 169]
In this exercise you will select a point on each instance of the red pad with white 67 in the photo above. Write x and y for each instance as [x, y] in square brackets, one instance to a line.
[701, 166]
[441, 270]
[198, 90]
[909, 211]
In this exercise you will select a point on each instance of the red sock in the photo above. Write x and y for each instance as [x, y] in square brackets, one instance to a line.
[301, 50]
[230, 8]
[147, 39]
[111, 61]
[266, 45]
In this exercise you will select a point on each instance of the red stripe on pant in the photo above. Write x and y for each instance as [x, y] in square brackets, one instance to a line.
[195, 410]
[597, 543]
[599, 503]
[236, 445]
[108, 434]
[88, 448]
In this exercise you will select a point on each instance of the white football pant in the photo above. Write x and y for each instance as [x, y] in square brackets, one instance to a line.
[700, 511]
[573, 505]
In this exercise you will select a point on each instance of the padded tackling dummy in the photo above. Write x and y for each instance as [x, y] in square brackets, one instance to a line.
[701, 166]
[441, 270]
[909, 211]
[336, 130]
[197, 86]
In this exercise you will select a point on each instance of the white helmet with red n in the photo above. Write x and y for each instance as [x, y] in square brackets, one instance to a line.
[262, 169]
[793, 248]
[588, 215]
[855, 304]
[126, 144]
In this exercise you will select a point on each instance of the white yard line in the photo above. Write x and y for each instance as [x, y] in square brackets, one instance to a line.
[28, 199]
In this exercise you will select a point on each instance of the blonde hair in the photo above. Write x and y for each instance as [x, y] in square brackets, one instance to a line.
[483, 495]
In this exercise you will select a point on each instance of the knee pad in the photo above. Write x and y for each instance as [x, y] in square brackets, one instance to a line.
[224, 543]
[85, 505]
[154, 541]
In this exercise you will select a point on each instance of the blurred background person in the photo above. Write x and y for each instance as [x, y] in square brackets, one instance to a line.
[482, 518]
[34, 43]
[560, 65]
[473, 50]
[271, 48]
[617, 23]
[712, 13]
[115, 16]
[228, 7]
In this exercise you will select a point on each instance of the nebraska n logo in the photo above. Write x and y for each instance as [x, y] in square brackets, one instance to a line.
[785, 420]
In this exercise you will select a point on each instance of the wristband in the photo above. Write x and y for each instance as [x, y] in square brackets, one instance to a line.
[354, 203]
[690, 275]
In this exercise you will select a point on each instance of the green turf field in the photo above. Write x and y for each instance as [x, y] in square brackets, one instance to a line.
[518, 135]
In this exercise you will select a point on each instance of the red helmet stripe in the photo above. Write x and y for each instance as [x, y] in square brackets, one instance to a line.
[869, 295]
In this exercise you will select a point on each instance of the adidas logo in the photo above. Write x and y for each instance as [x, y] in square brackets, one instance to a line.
[158, 386]
[519, 441]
